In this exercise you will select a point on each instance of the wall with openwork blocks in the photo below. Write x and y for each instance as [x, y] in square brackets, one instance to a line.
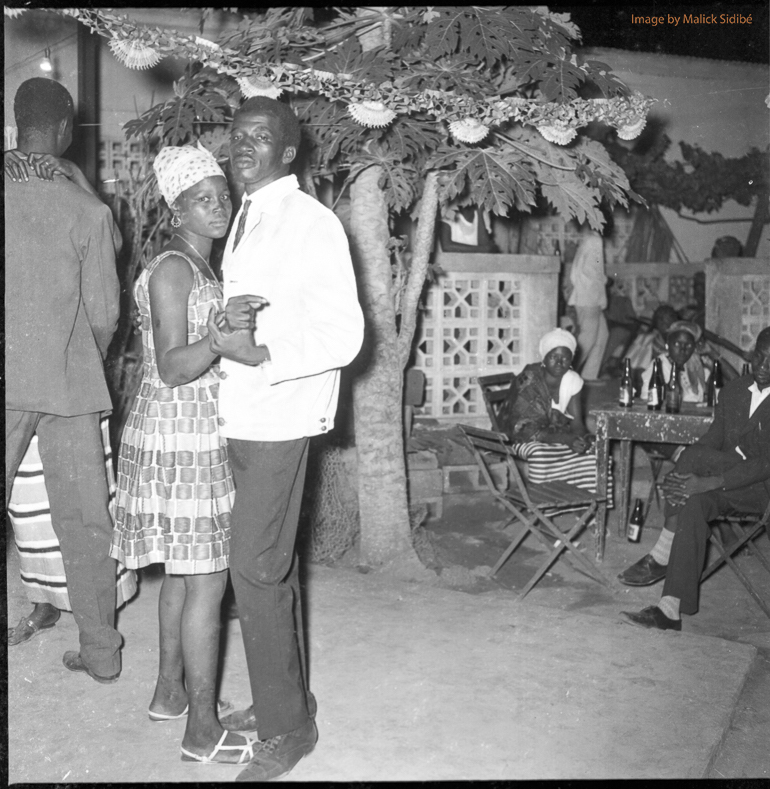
[651, 284]
[485, 314]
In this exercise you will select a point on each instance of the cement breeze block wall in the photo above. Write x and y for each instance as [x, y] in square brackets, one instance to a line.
[485, 315]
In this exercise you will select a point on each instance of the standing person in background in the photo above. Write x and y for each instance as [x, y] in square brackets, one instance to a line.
[280, 386]
[40, 560]
[589, 298]
[61, 311]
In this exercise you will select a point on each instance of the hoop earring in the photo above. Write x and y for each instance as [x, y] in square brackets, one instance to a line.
[176, 221]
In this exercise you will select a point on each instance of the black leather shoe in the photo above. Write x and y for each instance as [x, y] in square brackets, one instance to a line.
[277, 756]
[74, 662]
[654, 618]
[645, 572]
[246, 721]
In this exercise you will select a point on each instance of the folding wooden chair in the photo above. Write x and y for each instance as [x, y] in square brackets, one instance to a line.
[746, 529]
[494, 389]
[533, 506]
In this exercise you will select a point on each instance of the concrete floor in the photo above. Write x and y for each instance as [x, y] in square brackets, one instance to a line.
[426, 676]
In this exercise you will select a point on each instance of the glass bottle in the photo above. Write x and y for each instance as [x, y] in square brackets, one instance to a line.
[626, 395]
[673, 396]
[635, 523]
[715, 384]
[655, 388]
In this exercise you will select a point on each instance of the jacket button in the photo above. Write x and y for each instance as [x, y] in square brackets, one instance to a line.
[323, 428]
[323, 419]
[221, 420]
[223, 375]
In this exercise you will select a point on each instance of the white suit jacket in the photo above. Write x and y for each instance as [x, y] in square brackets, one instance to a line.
[295, 254]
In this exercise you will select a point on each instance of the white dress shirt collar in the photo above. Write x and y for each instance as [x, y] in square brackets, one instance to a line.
[267, 199]
[757, 397]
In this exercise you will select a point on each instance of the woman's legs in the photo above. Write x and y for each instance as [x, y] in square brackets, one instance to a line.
[201, 619]
[170, 696]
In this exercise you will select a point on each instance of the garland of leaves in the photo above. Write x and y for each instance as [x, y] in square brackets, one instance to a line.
[373, 103]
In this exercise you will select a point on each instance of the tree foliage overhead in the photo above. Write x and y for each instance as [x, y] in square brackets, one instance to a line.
[479, 94]
[702, 182]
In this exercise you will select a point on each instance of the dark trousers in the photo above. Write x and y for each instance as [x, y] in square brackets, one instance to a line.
[72, 453]
[703, 462]
[688, 550]
[269, 478]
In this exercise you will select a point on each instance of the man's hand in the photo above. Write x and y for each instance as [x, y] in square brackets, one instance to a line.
[581, 444]
[44, 165]
[677, 488]
[241, 312]
[238, 345]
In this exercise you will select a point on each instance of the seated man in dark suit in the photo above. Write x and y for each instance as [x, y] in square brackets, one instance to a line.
[726, 471]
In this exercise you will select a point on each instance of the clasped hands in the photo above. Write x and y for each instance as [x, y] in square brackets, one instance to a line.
[677, 488]
[231, 331]
[581, 444]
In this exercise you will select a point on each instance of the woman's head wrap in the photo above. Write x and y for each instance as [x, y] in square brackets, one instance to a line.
[687, 326]
[179, 168]
[558, 338]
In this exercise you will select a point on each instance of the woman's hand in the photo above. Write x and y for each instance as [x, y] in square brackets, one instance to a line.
[44, 165]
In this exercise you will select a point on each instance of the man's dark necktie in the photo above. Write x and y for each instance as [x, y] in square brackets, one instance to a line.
[241, 223]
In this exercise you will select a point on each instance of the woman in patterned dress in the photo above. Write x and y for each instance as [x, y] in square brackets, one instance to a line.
[175, 487]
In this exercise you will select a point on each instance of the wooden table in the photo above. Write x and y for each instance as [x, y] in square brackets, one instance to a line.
[637, 424]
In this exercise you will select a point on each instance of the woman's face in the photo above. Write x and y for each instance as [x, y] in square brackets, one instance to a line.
[558, 361]
[680, 344]
[205, 207]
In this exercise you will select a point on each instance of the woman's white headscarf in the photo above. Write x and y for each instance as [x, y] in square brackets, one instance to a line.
[179, 167]
[558, 338]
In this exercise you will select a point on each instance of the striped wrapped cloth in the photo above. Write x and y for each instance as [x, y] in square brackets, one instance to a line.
[42, 567]
[549, 462]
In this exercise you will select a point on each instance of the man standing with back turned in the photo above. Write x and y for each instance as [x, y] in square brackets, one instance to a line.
[280, 386]
[61, 310]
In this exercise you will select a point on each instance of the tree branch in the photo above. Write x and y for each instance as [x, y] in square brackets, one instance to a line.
[423, 247]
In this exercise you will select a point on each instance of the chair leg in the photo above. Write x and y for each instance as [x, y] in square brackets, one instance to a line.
[746, 537]
[744, 580]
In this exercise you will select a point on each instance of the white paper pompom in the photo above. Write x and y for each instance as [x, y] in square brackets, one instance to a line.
[468, 130]
[134, 54]
[631, 131]
[258, 86]
[373, 114]
[557, 133]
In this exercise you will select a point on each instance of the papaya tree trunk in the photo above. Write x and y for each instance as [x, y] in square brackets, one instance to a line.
[377, 392]
[757, 223]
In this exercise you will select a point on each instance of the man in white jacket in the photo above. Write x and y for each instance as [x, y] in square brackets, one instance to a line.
[287, 257]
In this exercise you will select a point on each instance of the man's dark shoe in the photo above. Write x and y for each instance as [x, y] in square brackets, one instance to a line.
[74, 662]
[645, 572]
[277, 756]
[43, 617]
[654, 618]
[246, 721]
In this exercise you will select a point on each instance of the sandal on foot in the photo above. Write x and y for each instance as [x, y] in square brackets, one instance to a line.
[28, 628]
[243, 753]
[222, 707]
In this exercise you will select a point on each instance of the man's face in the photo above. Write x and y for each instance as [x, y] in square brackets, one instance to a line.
[680, 345]
[760, 366]
[257, 156]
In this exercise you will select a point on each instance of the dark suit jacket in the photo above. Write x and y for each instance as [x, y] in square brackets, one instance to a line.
[61, 297]
[732, 427]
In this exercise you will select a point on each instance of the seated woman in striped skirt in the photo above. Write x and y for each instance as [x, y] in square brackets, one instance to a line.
[542, 415]
[40, 560]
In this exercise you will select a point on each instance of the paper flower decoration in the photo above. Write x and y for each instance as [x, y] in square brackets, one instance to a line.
[468, 130]
[134, 54]
[12, 13]
[258, 86]
[204, 42]
[558, 133]
[373, 114]
[630, 131]
[324, 76]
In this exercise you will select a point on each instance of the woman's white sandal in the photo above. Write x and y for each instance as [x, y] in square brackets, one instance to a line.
[246, 751]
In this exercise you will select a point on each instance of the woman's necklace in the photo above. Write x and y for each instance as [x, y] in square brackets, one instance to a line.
[205, 262]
